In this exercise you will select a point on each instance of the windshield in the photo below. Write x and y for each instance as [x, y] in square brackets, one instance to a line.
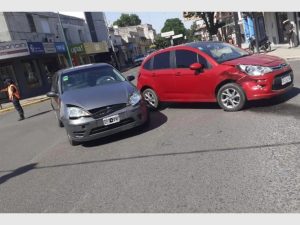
[90, 77]
[222, 52]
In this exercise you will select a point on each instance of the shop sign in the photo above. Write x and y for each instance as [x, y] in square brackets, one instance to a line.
[36, 48]
[60, 47]
[77, 49]
[49, 47]
[95, 47]
[13, 49]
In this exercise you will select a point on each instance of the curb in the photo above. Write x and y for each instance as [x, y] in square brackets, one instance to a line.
[24, 105]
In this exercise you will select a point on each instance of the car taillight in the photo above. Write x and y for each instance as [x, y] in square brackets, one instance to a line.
[139, 75]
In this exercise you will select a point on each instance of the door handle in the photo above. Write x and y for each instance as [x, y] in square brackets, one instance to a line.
[177, 73]
[153, 74]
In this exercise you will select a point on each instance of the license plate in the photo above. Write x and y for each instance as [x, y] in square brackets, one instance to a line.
[286, 80]
[111, 120]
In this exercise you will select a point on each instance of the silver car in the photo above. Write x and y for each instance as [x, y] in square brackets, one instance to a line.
[94, 101]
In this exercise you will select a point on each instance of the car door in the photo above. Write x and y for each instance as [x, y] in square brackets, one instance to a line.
[162, 75]
[192, 85]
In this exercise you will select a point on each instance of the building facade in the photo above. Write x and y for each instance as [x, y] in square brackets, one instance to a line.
[32, 47]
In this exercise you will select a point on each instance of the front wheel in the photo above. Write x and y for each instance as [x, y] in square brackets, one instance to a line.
[151, 97]
[231, 97]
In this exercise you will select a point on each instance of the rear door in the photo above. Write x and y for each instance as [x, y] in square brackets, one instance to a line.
[163, 76]
[190, 84]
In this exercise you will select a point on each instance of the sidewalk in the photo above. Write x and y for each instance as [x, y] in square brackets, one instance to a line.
[284, 52]
[24, 102]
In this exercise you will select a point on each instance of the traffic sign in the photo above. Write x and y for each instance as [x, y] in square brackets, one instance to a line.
[177, 36]
[167, 34]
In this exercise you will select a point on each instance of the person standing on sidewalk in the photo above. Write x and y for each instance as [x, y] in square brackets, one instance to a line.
[14, 96]
[289, 31]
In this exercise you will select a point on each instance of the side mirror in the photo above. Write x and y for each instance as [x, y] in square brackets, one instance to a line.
[52, 94]
[130, 78]
[196, 66]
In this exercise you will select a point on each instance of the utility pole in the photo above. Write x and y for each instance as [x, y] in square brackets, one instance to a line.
[65, 40]
[237, 29]
[111, 43]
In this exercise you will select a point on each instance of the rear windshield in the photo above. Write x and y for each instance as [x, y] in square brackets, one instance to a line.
[90, 77]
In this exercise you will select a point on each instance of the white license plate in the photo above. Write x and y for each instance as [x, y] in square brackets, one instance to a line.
[286, 80]
[111, 120]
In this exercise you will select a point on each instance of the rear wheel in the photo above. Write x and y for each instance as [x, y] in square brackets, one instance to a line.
[231, 97]
[151, 98]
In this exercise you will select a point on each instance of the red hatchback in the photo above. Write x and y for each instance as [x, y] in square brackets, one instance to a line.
[212, 72]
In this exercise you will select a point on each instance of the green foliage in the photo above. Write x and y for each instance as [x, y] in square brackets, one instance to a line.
[126, 20]
[161, 42]
[174, 24]
[212, 26]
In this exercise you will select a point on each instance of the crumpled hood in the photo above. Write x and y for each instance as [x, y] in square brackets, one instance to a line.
[99, 96]
[255, 59]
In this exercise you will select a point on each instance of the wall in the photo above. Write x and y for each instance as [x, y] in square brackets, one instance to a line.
[4, 32]
[19, 27]
[271, 27]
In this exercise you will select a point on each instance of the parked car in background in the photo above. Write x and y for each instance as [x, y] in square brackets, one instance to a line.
[212, 72]
[138, 60]
[93, 101]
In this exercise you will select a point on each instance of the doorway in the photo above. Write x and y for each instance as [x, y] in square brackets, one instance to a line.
[280, 17]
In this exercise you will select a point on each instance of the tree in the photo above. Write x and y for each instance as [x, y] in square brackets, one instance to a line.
[212, 25]
[175, 25]
[190, 33]
[161, 42]
[126, 20]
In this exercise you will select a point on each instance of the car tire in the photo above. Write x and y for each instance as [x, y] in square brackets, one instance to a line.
[151, 98]
[60, 124]
[231, 97]
[71, 141]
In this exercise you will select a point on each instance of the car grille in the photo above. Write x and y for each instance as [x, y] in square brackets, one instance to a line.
[277, 81]
[112, 126]
[279, 67]
[104, 111]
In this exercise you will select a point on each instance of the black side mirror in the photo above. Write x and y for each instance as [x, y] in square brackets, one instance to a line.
[52, 94]
[130, 78]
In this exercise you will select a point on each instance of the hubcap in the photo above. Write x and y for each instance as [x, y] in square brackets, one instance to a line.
[230, 98]
[149, 97]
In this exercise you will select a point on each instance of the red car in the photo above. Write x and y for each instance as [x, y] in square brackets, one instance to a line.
[212, 72]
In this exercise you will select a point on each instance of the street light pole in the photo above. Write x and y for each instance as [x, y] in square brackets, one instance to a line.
[111, 43]
[65, 40]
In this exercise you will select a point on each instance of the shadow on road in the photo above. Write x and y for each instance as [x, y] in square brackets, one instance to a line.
[165, 155]
[277, 105]
[156, 120]
[196, 105]
[268, 105]
[38, 114]
[17, 172]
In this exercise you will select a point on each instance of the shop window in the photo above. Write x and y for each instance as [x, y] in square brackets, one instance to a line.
[32, 74]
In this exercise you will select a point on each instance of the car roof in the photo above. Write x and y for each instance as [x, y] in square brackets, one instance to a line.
[83, 67]
[195, 44]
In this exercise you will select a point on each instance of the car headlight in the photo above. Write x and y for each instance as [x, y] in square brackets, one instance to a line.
[254, 70]
[75, 112]
[135, 98]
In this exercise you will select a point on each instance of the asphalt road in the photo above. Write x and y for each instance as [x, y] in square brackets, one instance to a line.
[192, 158]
